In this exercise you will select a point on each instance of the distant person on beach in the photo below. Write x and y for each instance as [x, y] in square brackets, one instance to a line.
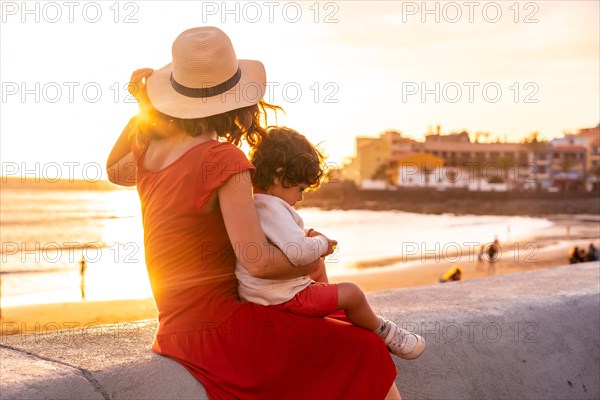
[493, 254]
[453, 274]
[582, 255]
[576, 255]
[480, 257]
[82, 269]
[493, 250]
[592, 253]
[194, 184]
[286, 165]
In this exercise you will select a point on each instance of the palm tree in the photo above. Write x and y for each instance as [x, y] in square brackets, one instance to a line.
[479, 168]
[381, 174]
[505, 163]
[565, 167]
[533, 138]
[540, 148]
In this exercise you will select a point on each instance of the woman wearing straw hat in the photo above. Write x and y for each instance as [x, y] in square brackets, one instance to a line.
[195, 188]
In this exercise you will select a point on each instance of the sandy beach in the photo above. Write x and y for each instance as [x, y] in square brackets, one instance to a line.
[547, 249]
[42, 318]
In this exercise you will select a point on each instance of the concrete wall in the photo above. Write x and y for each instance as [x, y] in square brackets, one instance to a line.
[534, 335]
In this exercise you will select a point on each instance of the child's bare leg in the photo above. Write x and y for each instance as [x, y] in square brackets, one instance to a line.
[320, 275]
[401, 342]
[352, 299]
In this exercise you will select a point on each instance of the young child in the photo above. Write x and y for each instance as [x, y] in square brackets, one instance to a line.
[286, 165]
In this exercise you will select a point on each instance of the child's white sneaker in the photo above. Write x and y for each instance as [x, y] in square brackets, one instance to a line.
[403, 343]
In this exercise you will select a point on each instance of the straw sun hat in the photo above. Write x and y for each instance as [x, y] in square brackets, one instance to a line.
[205, 77]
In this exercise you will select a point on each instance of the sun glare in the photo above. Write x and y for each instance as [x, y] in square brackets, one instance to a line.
[121, 271]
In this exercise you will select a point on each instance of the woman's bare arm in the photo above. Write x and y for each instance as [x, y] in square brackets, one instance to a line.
[120, 166]
[260, 258]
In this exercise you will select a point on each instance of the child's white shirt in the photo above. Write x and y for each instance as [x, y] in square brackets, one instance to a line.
[285, 229]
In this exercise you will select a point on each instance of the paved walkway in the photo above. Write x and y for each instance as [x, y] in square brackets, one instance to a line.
[533, 335]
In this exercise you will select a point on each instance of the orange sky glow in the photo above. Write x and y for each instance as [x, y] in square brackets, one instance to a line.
[339, 69]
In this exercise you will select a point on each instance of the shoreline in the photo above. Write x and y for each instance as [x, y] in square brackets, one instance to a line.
[427, 272]
[565, 228]
[545, 249]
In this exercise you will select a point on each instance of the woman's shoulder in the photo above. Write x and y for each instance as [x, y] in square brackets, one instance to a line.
[226, 150]
[223, 160]
[219, 146]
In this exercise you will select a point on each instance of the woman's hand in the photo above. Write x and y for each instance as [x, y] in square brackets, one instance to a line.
[137, 88]
[120, 166]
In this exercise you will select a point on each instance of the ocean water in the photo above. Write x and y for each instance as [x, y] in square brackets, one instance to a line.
[45, 232]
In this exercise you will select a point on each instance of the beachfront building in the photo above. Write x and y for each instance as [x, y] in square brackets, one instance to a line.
[391, 160]
[369, 169]
[568, 165]
[482, 164]
[371, 153]
[418, 170]
[591, 141]
[539, 169]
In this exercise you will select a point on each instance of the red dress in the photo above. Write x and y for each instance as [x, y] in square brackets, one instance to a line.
[237, 349]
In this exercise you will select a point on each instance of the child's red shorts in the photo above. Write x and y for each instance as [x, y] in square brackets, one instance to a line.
[317, 300]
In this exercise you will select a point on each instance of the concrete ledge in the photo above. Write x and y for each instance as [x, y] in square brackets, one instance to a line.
[109, 362]
[533, 335]
[29, 377]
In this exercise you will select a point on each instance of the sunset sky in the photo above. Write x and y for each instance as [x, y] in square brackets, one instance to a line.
[339, 69]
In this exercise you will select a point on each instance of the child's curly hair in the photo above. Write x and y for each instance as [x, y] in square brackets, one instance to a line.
[286, 154]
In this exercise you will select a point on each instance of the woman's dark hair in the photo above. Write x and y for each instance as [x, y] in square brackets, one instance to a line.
[235, 126]
[285, 154]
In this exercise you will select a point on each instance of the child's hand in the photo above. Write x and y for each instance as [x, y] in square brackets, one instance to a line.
[312, 233]
[331, 248]
[332, 243]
